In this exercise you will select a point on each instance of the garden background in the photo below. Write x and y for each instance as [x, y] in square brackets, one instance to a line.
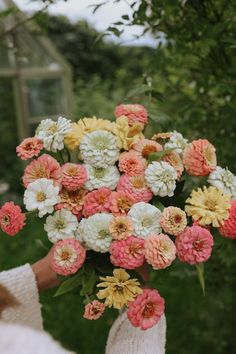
[187, 83]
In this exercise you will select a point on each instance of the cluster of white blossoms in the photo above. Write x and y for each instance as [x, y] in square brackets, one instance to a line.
[146, 219]
[223, 179]
[62, 224]
[161, 178]
[52, 133]
[99, 149]
[177, 142]
[101, 177]
[41, 195]
[94, 232]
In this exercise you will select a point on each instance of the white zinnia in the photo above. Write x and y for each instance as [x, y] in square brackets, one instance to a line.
[62, 224]
[161, 178]
[94, 232]
[99, 149]
[52, 133]
[102, 177]
[177, 142]
[223, 179]
[41, 195]
[146, 219]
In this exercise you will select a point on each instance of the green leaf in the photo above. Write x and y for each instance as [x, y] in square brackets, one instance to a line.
[88, 281]
[156, 156]
[158, 204]
[200, 273]
[70, 284]
[138, 91]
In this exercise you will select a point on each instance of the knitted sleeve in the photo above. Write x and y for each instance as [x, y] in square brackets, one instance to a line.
[21, 283]
[126, 339]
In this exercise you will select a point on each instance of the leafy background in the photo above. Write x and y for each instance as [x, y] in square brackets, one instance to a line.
[187, 84]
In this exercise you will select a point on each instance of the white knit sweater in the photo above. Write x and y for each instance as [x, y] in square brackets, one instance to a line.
[23, 333]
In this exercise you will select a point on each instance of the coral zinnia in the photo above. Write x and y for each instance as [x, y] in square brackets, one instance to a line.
[194, 245]
[12, 220]
[135, 186]
[120, 203]
[199, 158]
[119, 289]
[97, 202]
[94, 310]
[74, 176]
[29, 147]
[131, 164]
[127, 253]
[146, 310]
[228, 228]
[160, 251]
[208, 206]
[134, 112]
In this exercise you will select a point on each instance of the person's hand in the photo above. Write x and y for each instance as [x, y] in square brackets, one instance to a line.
[45, 277]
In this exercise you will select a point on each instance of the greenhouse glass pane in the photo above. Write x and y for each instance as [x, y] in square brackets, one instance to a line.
[45, 97]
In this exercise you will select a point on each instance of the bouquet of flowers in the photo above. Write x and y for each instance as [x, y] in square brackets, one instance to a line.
[112, 201]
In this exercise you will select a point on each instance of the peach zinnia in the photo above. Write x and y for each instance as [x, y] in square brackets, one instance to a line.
[160, 251]
[29, 147]
[175, 161]
[74, 176]
[120, 203]
[72, 200]
[145, 147]
[135, 186]
[94, 310]
[121, 227]
[146, 310]
[43, 167]
[199, 158]
[131, 164]
[173, 220]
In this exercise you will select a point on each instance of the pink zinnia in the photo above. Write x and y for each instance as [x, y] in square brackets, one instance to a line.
[145, 147]
[194, 245]
[68, 256]
[146, 310]
[128, 254]
[120, 203]
[199, 158]
[94, 310]
[135, 186]
[131, 164]
[228, 228]
[29, 147]
[97, 201]
[160, 251]
[73, 201]
[12, 220]
[43, 167]
[73, 176]
[136, 113]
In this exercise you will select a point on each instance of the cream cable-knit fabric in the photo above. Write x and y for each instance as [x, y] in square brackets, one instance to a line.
[22, 284]
[126, 339]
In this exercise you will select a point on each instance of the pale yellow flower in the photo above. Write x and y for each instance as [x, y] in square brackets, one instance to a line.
[119, 289]
[127, 135]
[84, 126]
[208, 206]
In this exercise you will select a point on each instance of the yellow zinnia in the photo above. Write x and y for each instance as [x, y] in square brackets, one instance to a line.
[119, 289]
[208, 206]
[84, 126]
[127, 135]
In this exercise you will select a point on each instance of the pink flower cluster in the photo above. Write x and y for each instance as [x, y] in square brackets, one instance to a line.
[135, 113]
[29, 147]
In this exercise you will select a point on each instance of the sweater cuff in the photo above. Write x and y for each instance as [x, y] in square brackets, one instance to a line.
[21, 283]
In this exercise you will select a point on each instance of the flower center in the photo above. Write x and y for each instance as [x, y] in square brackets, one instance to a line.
[124, 205]
[65, 256]
[28, 146]
[135, 130]
[119, 288]
[99, 172]
[138, 182]
[103, 234]
[59, 225]
[52, 129]
[100, 144]
[147, 222]
[39, 172]
[6, 220]
[72, 171]
[41, 196]
[177, 219]
[95, 310]
[149, 310]
[101, 199]
[165, 176]
[147, 150]
[210, 204]
[198, 245]
[135, 249]
[121, 227]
